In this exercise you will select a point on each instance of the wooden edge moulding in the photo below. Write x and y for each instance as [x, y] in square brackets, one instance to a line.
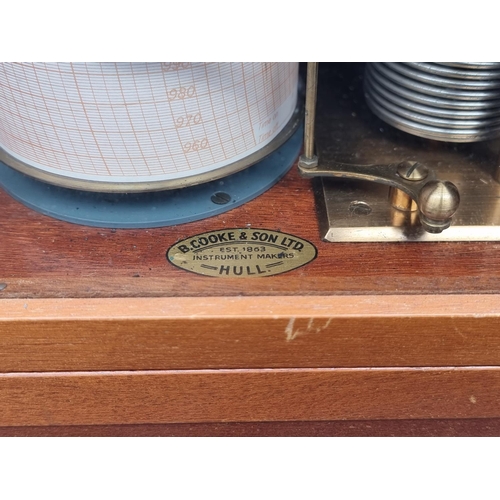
[172, 360]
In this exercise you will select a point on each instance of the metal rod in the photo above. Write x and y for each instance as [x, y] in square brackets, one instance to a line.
[311, 93]
[309, 159]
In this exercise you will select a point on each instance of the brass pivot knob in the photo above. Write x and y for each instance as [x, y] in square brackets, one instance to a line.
[437, 202]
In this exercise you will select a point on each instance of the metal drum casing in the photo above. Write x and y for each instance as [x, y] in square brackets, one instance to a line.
[132, 127]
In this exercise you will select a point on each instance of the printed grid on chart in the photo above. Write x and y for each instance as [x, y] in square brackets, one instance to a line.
[142, 119]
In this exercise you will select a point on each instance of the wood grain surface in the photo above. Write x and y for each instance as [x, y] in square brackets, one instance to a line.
[42, 257]
[248, 332]
[100, 398]
[474, 427]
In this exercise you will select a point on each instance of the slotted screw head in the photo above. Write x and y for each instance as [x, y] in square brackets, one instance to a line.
[412, 171]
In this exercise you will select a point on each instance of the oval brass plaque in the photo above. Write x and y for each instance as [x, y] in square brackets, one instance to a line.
[241, 253]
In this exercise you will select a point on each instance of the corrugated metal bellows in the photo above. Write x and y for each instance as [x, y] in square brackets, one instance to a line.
[454, 102]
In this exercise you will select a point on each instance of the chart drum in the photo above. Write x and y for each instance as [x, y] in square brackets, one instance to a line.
[143, 127]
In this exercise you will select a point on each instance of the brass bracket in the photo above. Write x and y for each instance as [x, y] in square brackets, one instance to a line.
[437, 200]
[359, 155]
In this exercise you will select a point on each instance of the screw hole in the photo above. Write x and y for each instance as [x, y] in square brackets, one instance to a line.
[359, 208]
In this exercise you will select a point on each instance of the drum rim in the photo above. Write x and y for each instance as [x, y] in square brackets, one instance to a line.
[159, 185]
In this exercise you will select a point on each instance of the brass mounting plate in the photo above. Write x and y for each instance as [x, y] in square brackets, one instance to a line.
[357, 211]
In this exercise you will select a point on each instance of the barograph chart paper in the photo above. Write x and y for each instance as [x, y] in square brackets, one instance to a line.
[141, 122]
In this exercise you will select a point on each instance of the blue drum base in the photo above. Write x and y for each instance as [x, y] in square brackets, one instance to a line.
[152, 209]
